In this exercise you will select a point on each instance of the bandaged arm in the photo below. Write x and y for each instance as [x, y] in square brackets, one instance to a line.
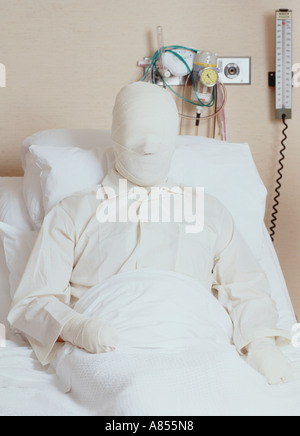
[40, 308]
[243, 290]
[265, 357]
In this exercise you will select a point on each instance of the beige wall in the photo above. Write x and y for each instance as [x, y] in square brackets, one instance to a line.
[66, 60]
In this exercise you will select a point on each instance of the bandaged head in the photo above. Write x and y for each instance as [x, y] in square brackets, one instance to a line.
[144, 130]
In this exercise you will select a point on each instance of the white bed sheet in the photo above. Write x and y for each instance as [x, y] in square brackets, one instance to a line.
[4, 288]
[270, 263]
[28, 389]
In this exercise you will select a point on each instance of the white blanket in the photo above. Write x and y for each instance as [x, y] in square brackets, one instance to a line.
[175, 355]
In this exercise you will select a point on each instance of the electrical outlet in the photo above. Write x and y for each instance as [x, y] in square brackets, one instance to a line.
[235, 70]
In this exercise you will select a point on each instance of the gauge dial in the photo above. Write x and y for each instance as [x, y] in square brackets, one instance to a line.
[209, 77]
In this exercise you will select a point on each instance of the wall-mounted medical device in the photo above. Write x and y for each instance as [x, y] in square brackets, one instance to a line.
[282, 79]
[235, 70]
[202, 72]
[197, 72]
[206, 76]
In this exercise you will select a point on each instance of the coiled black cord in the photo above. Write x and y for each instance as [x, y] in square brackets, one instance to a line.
[277, 190]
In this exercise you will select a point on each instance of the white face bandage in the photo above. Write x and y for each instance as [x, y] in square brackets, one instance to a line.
[144, 130]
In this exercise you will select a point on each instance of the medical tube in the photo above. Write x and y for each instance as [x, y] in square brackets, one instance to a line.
[160, 42]
[160, 38]
[207, 117]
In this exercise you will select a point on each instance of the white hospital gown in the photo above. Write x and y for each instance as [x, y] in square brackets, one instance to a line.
[74, 252]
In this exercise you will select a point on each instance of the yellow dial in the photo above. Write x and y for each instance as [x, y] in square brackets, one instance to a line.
[209, 77]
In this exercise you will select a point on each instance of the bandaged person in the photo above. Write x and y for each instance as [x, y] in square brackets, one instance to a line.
[74, 251]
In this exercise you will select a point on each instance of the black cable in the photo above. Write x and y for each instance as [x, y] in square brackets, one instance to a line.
[277, 190]
[198, 116]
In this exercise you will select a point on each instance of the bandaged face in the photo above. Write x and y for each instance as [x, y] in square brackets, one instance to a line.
[144, 130]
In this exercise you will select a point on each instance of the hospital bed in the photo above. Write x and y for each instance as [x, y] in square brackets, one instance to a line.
[58, 163]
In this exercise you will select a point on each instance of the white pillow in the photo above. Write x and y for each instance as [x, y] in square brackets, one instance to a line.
[18, 245]
[81, 138]
[66, 170]
[32, 192]
[13, 209]
[226, 171]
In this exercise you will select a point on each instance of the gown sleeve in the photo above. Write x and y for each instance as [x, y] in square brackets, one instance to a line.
[40, 307]
[243, 289]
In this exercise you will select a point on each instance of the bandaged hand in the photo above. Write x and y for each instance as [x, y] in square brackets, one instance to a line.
[91, 334]
[266, 358]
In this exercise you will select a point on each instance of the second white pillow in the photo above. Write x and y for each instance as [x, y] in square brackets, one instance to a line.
[66, 170]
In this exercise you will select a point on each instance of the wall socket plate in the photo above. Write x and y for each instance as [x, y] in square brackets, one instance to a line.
[235, 70]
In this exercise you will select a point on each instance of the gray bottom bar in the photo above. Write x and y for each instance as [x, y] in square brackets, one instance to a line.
[286, 112]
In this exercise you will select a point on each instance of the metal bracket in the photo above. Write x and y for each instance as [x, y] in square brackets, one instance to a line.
[171, 81]
[272, 79]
